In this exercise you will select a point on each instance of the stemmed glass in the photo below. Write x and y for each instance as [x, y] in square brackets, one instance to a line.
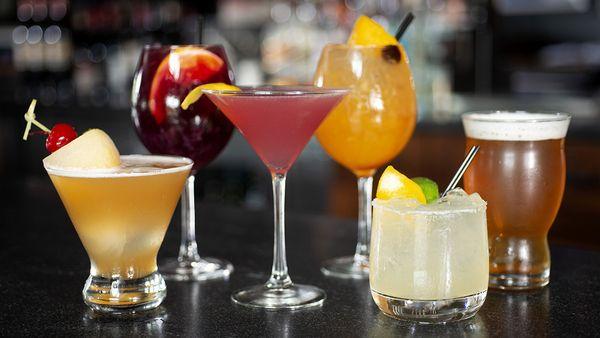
[278, 121]
[164, 76]
[367, 129]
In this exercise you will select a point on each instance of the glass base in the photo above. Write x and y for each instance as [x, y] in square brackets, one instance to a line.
[122, 296]
[293, 297]
[514, 281]
[205, 269]
[346, 267]
[429, 311]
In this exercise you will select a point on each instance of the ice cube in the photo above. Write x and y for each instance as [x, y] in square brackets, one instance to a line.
[456, 199]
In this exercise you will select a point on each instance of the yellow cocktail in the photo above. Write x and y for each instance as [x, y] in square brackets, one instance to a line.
[371, 125]
[121, 216]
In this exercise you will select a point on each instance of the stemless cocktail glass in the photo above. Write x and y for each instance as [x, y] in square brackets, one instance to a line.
[121, 217]
[367, 129]
[278, 121]
[165, 75]
[429, 263]
[520, 170]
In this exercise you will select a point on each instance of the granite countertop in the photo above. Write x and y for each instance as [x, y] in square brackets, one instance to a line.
[43, 267]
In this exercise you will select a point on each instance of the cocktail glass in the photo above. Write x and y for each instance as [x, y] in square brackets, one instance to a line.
[278, 121]
[165, 75]
[429, 263]
[367, 129]
[520, 170]
[121, 217]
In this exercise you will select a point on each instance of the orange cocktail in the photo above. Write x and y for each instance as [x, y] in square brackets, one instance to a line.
[375, 121]
[371, 125]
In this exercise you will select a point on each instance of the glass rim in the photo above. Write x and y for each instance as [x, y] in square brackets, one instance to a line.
[546, 116]
[158, 45]
[462, 210]
[344, 46]
[186, 162]
[278, 90]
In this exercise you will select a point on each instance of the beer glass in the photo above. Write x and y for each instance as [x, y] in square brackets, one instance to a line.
[520, 171]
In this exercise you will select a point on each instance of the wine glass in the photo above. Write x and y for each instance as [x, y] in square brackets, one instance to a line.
[164, 76]
[367, 129]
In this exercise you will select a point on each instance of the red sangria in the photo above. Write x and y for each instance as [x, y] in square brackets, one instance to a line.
[164, 76]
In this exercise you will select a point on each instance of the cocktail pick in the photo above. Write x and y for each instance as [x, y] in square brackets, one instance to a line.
[30, 118]
[461, 170]
[408, 18]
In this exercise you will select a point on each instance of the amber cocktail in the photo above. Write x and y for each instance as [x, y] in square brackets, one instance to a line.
[121, 216]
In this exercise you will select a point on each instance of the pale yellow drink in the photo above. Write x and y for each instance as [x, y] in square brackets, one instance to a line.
[121, 215]
[423, 254]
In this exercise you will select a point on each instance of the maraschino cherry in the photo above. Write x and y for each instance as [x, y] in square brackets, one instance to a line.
[60, 135]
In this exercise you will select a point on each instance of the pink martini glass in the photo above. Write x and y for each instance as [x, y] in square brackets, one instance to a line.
[278, 122]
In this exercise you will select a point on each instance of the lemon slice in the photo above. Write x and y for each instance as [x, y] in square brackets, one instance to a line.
[367, 32]
[393, 184]
[195, 94]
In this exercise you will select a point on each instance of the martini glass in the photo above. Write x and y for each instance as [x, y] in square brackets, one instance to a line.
[278, 121]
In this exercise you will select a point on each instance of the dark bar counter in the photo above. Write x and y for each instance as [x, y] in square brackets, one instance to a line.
[43, 267]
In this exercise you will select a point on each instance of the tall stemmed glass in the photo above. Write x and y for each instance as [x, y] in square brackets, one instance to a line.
[278, 121]
[165, 75]
[367, 129]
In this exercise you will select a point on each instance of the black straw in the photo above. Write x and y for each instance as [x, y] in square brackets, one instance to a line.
[200, 28]
[408, 18]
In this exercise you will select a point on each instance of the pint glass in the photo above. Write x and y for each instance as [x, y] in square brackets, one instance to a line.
[520, 172]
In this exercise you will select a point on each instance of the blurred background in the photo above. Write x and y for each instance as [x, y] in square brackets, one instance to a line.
[78, 57]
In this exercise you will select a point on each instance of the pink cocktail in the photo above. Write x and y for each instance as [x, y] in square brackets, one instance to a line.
[278, 122]
[277, 126]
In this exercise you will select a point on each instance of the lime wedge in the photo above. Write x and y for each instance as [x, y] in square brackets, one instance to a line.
[429, 187]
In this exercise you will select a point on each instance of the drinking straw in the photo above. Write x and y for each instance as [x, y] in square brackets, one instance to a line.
[200, 28]
[461, 170]
[408, 18]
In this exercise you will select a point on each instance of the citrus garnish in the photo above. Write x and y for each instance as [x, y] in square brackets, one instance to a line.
[367, 32]
[195, 94]
[394, 184]
[181, 68]
[429, 187]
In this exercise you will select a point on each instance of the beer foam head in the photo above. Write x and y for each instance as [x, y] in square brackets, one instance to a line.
[131, 166]
[516, 126]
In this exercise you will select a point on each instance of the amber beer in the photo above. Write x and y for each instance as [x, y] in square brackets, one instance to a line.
[520, 171]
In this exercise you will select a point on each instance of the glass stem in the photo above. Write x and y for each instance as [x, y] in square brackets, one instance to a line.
[365, 190]
[279, 272]
[188, 249]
